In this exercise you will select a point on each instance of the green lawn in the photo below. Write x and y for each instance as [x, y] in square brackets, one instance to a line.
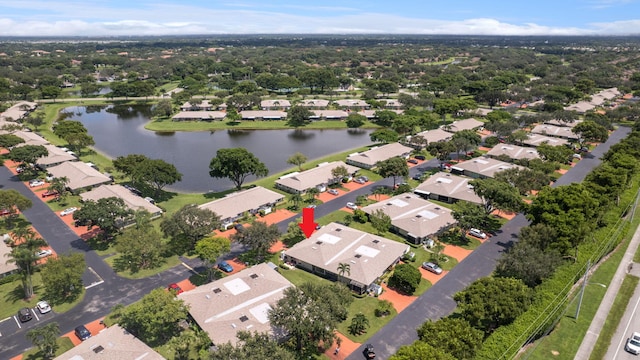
[167, 124]
[367, 306]
[299, 276]
[169, 263]
[64, 345]
[13, 297]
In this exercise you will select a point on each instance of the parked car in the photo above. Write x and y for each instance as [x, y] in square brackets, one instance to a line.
[49, 193]
[239, 228]
[43, 307]
[413, 161]
[369, 353]
[477, 233]
[360, 181]
[36, 182]
[420, 157]
[633, 344]
[312, 206]
[82, 333]
[24, 314]
[224, 266]
[68, 211]
[429, 266]
[417, 177]
[363, 178]
[44, 253]
[333, 192]
[175, 288]
[352, 206]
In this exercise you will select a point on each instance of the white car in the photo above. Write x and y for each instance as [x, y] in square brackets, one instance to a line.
[44, 253]
[34, 183]
[352, 206]
[477, 233]
[68, 211]
[633, 344]
[43, 307]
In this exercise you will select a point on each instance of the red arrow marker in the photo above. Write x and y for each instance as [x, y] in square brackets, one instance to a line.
[307, 225]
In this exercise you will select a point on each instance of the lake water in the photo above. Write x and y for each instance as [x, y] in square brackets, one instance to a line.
[119, 130]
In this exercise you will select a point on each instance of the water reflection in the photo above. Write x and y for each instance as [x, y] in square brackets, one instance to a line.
[119, 130]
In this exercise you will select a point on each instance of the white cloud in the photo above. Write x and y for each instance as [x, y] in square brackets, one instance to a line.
[175, 19]
[603, 4]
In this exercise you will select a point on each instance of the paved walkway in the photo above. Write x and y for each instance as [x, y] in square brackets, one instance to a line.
[589, 341]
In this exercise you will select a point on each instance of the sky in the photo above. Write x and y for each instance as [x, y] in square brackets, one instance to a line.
[201, 17]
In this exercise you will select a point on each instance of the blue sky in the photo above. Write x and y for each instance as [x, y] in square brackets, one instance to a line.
[170, 17]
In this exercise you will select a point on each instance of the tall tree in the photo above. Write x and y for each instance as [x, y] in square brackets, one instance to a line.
[210, 249]
[558, 154]
[465, 140]
[28, 154]
[469, 215]
[496, 194]
[10, 140]
[420, 350]
[141, 247]
[384, 136]
[252, 346]
[452, 335]
[380, 221]
[157, 174]
[297, 159]
[259, 237]
[344, 268]
[491, 302]
[62, 277]
[108, 214]
[395, 167]
[590, 131]
[298, 116]
[355, 120]
[359, 324]
[190, 224]
[45, 339]
[406, 279]
[13, 201]
[339, 172]
[59, 185]
[236, 164]
[157, 326]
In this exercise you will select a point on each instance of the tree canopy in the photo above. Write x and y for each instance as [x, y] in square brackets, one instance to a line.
[236, 164]
[108, 214]
[190, 224]
[395, 167]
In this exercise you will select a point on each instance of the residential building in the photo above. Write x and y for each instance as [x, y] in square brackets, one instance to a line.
[514, 152]
[447, 187]
[80, 175]
[18, 111]
[557, 131]
[413, 217]
[317, 104]
[199, 116]
[131, 200]
[557, 122]
[263, 115]
[329, 115]
[482, 167]
[435, 135]
[369, 256]
[55, 157]
[371, 114]
[368, 159]
[201, 106]
[352, 104]
[113, 342]
[319, 177]
[29, 137]
[391, 103]
[277, 104]
[537, 139]
[6, 268]
[235, 205]
[580, 107]
[239, 302]
[466, 124]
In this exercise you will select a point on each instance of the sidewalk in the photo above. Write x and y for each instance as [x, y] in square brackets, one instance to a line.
[590, 338]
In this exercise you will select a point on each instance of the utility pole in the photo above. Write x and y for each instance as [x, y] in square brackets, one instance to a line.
[584, 284]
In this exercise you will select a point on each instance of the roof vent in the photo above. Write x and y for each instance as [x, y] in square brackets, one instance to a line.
[407, 197]
[217, 291]
[318, 242]
[358, 256]
[244, 318]
[338, 229]
[98, 349]
[376, 241]
[418, 216]
[389, 204]
[253, 276]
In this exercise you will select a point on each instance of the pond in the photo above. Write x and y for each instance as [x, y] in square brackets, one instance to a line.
[119, 130]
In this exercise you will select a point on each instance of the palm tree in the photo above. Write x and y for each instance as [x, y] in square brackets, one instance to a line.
[59, 185]
[312, 193]
[344, 268]
[296, 199]
[359, 324]
[44, 338]
[25, 260]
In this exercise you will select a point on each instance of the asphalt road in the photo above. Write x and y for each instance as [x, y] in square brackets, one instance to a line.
[628, 324]
[437, 302]
[104, 288]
